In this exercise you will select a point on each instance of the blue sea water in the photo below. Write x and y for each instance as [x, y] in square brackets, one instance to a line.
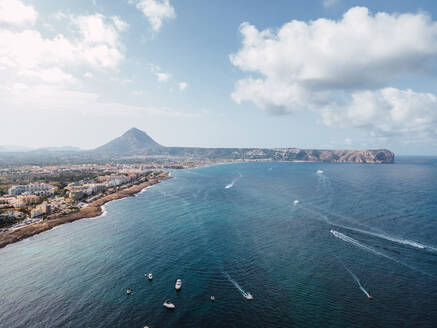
[227, 230]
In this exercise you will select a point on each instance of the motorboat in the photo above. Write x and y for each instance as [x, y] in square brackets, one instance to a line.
[248, 296]
[178, 285]
[212, 298]
[169, 305]
[331, 231]
[296, 202]
[422, 246]
[150, 276]
[320, 172]
[129, 291]
[370, 298]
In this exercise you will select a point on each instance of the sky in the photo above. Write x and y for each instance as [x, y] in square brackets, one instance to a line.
[330, 74]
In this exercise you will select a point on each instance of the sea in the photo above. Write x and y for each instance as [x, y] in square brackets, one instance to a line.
[310, 242]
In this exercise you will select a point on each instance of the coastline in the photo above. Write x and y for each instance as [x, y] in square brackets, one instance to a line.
[93, 210]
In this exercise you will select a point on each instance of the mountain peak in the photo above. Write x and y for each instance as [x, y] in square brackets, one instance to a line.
[133, 141]
[134, 130]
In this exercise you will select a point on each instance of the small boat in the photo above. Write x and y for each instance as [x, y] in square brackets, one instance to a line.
[248, 296]
[296, 202]
[129, 291]
[178, 285]
[150, 276]
[370, 298]
[169, 305]
[422, 246]
[320, 172]
[331, 231]
[212, 298]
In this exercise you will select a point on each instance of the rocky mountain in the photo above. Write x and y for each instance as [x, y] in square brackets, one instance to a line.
[133, 141]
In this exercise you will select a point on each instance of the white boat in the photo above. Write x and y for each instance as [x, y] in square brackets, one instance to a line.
[150, 276]
[320, 172]
[169, 305]
[129, 291]
[296, 202]
[212, 298]
[248, 296]
[178, 284]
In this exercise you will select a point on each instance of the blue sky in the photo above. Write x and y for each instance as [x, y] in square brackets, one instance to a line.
[345, 74]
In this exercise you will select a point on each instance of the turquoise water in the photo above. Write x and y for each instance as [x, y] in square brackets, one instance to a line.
[247, 238]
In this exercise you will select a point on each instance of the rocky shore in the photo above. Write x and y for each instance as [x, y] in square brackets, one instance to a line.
[93, 209]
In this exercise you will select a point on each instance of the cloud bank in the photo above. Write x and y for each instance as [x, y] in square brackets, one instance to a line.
[47, 74]
[343, 69]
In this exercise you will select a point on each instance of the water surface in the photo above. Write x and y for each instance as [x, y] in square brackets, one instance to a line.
[227, 230]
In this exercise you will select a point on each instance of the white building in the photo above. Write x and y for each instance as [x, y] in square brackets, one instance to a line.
[40, 189]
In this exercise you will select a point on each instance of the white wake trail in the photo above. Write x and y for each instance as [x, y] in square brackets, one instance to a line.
[365, 247]
[241, 290]
[356, 280]
[229, 186]
[390, 238]
[397, 240]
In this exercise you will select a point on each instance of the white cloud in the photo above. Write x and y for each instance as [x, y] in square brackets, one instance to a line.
[14, 12]
[330, 3]
[96, 30]
[387, 112]
[327, 64]
[119, 23]
[156, 12]
[161, 76]
[183, 85]
[27, 53]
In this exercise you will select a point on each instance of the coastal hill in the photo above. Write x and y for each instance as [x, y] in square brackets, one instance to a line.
[137, 146]
[135, 142]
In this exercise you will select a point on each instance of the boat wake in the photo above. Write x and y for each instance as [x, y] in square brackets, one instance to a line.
[390, 238]
[384, 236]
[367, 248]
[229, 186]
[356, 280]
[245, 294]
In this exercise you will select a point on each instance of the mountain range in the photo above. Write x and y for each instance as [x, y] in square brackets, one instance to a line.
[136, 145]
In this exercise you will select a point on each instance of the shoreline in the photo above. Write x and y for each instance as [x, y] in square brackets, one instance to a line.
[93, 210]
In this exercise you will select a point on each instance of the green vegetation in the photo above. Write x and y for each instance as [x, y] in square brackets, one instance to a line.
[8, 221]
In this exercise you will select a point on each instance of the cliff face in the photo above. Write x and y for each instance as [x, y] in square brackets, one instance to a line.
[284, 154]
[346, 156]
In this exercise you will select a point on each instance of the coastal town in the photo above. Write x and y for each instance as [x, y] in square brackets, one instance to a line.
[33, 194]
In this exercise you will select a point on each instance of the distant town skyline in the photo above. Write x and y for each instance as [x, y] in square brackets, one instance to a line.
[327, 74]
